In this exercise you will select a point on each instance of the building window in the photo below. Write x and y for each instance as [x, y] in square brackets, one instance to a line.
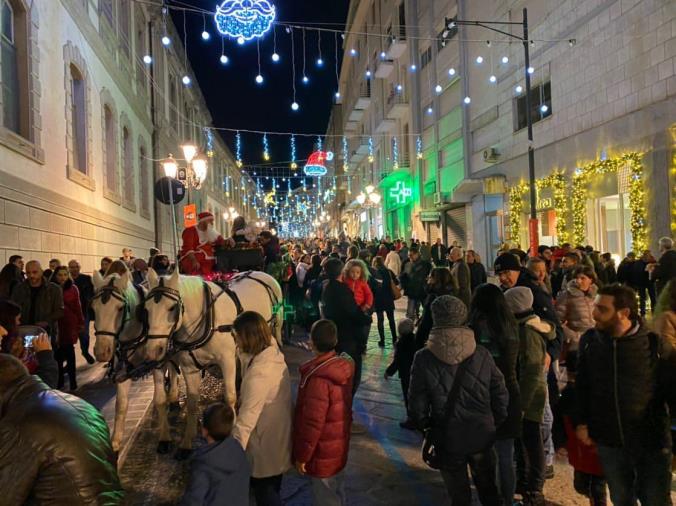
[173, 102]
[110, 146]
[79, 119]
[541, 105]
[124, 27]
[107, 11]
[144, 180]
[14, 64]
[127, 168]
[425, 57]
[141, 79]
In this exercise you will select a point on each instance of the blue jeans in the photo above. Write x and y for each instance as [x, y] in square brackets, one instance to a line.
[506, 470]
[546, 428]
[412, 308]
[637, 473]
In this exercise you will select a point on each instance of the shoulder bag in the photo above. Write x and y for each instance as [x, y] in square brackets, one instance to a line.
[433, 441]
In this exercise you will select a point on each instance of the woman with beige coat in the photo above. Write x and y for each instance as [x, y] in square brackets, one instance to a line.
[264, 419]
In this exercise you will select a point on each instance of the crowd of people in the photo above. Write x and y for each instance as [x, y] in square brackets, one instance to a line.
[554, 355]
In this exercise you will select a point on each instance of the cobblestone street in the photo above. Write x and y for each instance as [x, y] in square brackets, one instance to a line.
[384, 466]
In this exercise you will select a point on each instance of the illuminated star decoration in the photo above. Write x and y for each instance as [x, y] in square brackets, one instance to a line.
[316, 163]
[400, 192]
[244, 19]
[270, 197]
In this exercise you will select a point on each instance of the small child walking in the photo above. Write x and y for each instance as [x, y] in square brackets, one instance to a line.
[220, 468]
[323, 418]
[404, 350]
[588, 478]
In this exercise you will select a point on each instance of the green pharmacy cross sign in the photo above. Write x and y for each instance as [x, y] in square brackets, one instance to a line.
[401, 192]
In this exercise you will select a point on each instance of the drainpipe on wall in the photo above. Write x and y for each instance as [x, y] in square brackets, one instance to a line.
[416, 107]
[157, 212]
[464, 80]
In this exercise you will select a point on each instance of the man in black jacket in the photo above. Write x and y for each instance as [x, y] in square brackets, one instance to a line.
[339, 307]
[413, 279]
[54, 447]
[511, 274]
[439, 252]
[620, 400]
[665, 269]
[86, 288]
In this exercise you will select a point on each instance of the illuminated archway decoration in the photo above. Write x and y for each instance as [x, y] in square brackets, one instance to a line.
[557, 183]
[316, 163]
[637, 221]
[401, 192]
[244, 19]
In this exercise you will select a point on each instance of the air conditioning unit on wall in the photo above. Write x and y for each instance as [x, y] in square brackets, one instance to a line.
[491, 155]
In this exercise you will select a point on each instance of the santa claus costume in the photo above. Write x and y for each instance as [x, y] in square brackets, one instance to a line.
[199, 245]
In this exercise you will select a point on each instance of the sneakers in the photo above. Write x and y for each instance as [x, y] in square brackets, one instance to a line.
[549, 472]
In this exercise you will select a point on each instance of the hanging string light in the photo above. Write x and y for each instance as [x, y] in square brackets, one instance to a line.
[266, 148]
[238, 148]
[395, 153]
[319, 143]
[294, 104]
[305, 77]
[205, 35]
[294, 165]
[275, 56]
[371, 157]
[259, 77]
[336, 62]
[418, 148]
[320, 61]
[346, 166]
[186, 78]
[224, 59]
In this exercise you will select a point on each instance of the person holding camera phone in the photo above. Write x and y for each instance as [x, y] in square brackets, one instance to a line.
[34, 351]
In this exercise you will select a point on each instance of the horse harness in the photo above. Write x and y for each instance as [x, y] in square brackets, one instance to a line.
[208, 316]
[123, 349]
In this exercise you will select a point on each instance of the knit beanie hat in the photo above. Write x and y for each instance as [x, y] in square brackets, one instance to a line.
[506, 262]
[519, 299]
[405, 327]
[448, 311]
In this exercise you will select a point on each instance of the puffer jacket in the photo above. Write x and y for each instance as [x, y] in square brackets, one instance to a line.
[482, 398]
[54, 449]
[72, 319]
[534, 334]
[505, 352]
[263, 425]
[323, 418]
[618, 391]
[574, 308]
[414, 278]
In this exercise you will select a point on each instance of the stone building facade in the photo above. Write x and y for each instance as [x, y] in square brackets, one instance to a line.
[85, 119]
[603, 89]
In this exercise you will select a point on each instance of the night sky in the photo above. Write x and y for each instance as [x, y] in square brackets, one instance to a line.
[235, 100]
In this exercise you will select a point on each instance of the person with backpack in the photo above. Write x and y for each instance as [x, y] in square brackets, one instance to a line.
[533, 361]
[457, 395]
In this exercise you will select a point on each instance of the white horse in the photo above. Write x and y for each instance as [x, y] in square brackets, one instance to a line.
[192, 319]
[120, 340]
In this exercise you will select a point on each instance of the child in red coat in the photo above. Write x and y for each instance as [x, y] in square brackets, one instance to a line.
[588, 478]
[323, 418]
[355, 276]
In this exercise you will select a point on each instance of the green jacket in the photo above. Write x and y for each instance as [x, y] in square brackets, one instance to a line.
[533, 336]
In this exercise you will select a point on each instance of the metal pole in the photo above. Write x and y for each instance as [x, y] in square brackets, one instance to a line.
[174, 235]
[157, 213]
[533, 222]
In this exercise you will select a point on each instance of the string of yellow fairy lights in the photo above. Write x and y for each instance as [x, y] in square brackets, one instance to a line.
[578, 202]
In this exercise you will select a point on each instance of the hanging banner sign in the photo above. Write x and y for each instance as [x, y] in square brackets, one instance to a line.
[189, 215]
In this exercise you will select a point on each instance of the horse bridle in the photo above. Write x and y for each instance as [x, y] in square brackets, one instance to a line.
[105, 293]
[156, 294]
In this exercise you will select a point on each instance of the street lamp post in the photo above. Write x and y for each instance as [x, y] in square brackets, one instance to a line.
[450, 23]
[369, 199]
[191, 176]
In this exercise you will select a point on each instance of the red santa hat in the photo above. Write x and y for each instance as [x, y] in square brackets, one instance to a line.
[205, 215]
